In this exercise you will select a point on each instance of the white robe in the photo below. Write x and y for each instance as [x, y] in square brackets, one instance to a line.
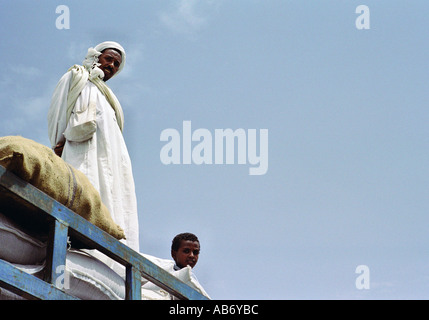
[97, 148]
[150, 291]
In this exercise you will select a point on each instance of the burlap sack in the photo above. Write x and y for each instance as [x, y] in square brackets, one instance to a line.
[39, 166]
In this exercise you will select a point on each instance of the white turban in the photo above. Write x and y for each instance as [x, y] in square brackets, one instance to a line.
[91, 59]
[113, 45]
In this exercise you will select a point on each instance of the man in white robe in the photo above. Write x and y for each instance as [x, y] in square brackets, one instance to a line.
[85, 122]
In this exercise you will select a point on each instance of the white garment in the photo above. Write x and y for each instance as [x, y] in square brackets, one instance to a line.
[99, 151]
[150, 291]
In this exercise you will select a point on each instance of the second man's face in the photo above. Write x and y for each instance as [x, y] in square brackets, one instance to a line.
[187, 254]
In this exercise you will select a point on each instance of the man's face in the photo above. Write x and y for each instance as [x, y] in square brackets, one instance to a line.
[187, 254]
[109, 60]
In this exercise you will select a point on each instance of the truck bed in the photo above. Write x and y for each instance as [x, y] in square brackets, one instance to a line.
[48, 220]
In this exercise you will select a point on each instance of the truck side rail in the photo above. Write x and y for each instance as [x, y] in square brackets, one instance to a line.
[22, 199]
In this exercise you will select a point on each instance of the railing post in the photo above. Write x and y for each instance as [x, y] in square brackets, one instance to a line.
[133, 283]
[56, 255]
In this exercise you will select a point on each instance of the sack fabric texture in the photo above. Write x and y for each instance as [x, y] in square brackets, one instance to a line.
[40, 166]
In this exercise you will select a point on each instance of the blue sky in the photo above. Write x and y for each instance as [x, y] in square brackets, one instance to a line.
[346, 110]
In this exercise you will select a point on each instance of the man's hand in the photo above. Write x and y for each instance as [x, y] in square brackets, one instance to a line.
[59, 148]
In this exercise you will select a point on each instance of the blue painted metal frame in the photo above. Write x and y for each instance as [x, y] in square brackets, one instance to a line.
[29, 286]
[66, 223]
